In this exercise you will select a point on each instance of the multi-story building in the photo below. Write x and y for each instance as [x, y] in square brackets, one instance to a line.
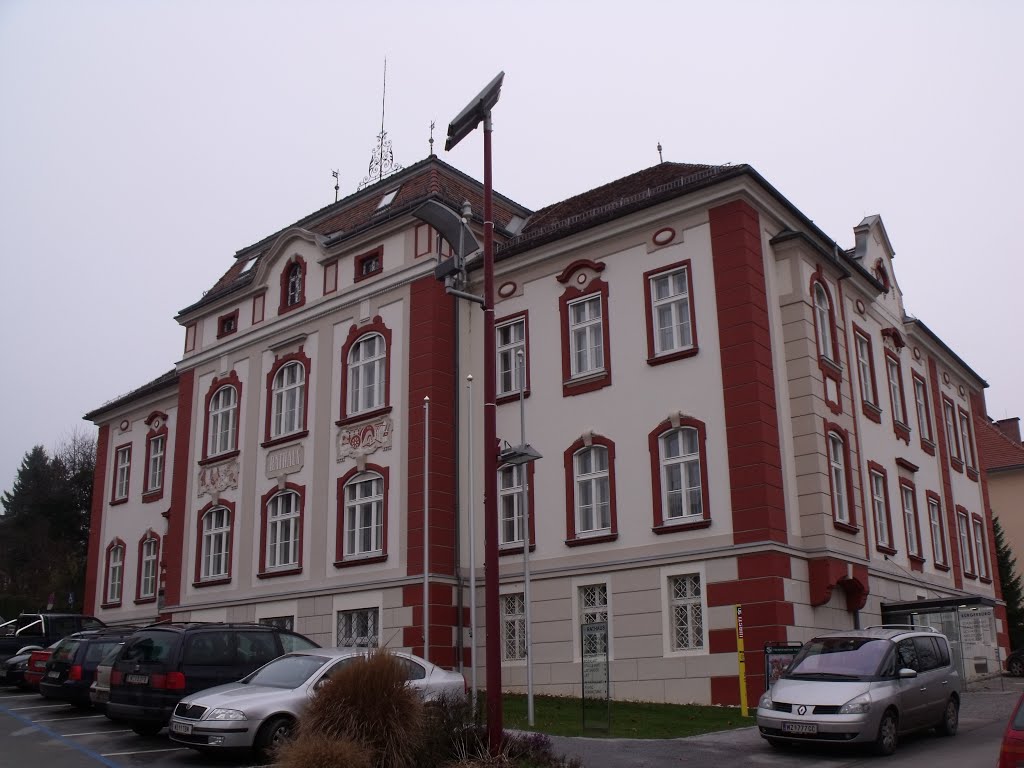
[731, 410]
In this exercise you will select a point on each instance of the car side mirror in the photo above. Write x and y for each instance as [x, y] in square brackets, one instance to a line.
[907, 673]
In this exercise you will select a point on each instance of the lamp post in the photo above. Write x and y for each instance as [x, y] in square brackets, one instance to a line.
[426, 528]
[479, 109]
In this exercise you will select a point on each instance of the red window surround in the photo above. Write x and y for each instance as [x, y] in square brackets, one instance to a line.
[355, 333]
[259, 302]
[279, 363]
[938, 547]
[525, 317]
[955, 451]
[230, 507]
[513, 549]
[900, 428]
[340, 560]
[880, 470]
[598, 286]
[869, 408]
[149, 535]
[330, 276]
[916, 560]
[851, 527]
[368, 264]
[984, 550]
[652, 357]
[114, 498]
[924, 430]
[654, 449]
[284, 306]
[572, 539]
[106, 573]
[190, 337]
[157, 423]
[300, 491]
[968, 454]
[231, 380]
[830, 368]
[227, 324]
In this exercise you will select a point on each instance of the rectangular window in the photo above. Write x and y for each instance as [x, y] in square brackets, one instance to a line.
[115, 578]
[837, 466]
[924, 421]
[979, 547]
[866, 369]
[511, 340]
[147, 583]
[880, 509]
[670, 308]
[938, 533]
[966, 441]
[687, 612]
[892, 366]
[358, 629]
[593, 609]
[155, 473]
[513, 627]
[952, 437]
[364, 516]
[123, 462]
[587, 336]
[593, 493]
[510, 511]
[965, 541]
[910, 520]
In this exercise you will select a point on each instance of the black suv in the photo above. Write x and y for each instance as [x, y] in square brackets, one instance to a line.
[72, 666]
[162, 663]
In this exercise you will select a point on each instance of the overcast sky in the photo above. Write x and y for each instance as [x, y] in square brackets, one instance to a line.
[143, 143]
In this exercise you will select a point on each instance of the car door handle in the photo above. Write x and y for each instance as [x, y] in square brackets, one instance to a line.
[924, 688]
[945, 682]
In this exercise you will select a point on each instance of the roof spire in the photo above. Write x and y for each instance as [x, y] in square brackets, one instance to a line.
[382, 161]
[431, 137]
[660, 158]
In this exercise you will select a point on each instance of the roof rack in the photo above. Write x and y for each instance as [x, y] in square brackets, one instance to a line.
[913, 627]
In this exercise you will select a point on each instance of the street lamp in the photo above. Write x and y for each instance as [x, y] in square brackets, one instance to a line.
[479, 109]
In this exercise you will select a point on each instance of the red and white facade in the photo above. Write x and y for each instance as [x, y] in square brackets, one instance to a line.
[731, 411]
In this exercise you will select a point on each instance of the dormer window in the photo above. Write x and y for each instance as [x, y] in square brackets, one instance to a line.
[388, 198]
[227, 324]
[369, 264]
[294, 295]
[293, 285]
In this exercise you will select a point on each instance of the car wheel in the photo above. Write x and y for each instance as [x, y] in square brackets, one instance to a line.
[1016, 667]
[147, 729]
[950, 718]
[885, 742]
[273, 734]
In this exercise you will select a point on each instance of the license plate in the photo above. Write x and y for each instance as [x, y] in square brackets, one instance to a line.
[53, 673]
[802, 729]
[182, 728]
[137, 679]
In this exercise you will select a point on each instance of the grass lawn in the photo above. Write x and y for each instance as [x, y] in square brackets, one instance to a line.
[562, 716]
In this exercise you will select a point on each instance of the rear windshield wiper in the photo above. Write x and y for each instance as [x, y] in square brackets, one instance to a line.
[822, 676]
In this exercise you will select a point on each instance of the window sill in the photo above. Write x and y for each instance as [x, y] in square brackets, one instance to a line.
[941, 567]
[694, 525]
[985, 580]
[514, 550]
[291, 437]
[283, 572]
[885, 550]
[218, 458]
[285, 308]
[354, 560]
[957, 465]
[871, 411]
[928, 446]
[584, 540]
[969, 575]
[511, 397]
[580, 385]
[829, 368]
[363, 416]
[111, 605]
[145, 600]
[152, 496]
[916, 563]
[847, 527]
[902, 431]
[212, 582]
[668, 357]
[972, 474]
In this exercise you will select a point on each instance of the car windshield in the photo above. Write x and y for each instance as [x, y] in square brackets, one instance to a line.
[287, 671]
[839, 658]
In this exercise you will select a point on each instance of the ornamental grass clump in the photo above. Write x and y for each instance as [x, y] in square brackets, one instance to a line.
[315, 750]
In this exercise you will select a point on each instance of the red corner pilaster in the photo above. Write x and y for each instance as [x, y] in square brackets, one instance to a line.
[748, 381]
[90, 603]
[942, 441]
[173, 554]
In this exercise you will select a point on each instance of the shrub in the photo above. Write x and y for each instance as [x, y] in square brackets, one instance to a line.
[315, 750]
[451, 731]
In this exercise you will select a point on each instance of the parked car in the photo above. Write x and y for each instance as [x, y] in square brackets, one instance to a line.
[99, 691]
[1011, 752]
[864, 686]
[1015, 663]
[71, 668]
[36, 667]
[261, 709]
[42, 629]
[162, 663]
[12, 671]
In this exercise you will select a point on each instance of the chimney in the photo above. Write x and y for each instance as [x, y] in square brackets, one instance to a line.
[1010, 428]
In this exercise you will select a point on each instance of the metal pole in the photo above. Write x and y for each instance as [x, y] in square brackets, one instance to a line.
[491, 596]
[472, 549]
[526, 539]
[426, 528]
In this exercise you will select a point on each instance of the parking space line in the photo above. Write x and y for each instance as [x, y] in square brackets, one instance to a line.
[62, 719]
[95, 733]
[41, 706]
[54, 735]
[144, 752]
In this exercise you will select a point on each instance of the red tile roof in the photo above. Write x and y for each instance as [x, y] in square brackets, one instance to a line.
[995, 449]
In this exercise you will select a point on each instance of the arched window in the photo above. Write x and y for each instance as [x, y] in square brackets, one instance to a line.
[283, 530]
[115, 573]
[215, 554]
[593, 491]
[293, 295]
[367, 371]
[149, 553]
[682, 497]
[837, 468]
[288, 397]
[823, 314]
[223, 421]
[364, 516]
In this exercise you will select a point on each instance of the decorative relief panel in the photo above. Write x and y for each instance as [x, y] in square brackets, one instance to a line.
[364, 439]
[218, 478]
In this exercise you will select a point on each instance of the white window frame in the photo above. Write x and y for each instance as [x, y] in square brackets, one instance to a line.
[668, 613]
[348, 622]
[223, 419]
[293, 293]
[123, 460]
[949, 413]
[867, 382]
[593, 607]
[967, 446]
[981, 562]
[676, 333]
[510, 504]
[155, 470]
[283, 531]
[879, 508]
[148, 569]
[594, 480]
[910, 520]
[367, 373]
[510, 338]
[216, 544]
[963, 524]
[364, 516]
[892, 372]
[682, 599]
[115, 574]
[837, 468]
[680, 466]
[513, 626]
[586, 336]
[289, 397]
[823, 312]
[935, 524]
[921, 402]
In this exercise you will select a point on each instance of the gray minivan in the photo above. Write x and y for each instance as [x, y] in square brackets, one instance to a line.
[866, 685]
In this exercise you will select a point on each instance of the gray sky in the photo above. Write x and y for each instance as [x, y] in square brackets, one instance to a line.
[143, 143]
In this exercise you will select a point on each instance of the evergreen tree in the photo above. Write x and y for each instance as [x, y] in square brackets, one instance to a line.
[1013, 591]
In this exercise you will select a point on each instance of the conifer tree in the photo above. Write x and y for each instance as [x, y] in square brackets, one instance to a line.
[1013, 592]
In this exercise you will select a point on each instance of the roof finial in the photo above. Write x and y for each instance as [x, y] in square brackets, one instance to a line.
[660, 158]
[431, 137]
[382, 161]
[335, 175]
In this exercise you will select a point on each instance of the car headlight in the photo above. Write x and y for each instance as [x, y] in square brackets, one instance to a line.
[766, 700]
[225, 714]
[858, 705]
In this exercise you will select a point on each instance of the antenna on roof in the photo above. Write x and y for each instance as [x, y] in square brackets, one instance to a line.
[335, 175]
[660, 159]
[382, 161]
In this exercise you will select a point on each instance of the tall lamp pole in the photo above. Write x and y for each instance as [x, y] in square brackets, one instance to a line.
[479, 109]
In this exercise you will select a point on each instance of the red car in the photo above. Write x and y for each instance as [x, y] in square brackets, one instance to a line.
[1011, 755]
[37, 667]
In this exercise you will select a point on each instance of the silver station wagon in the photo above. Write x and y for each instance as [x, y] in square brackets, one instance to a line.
[864, 686]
